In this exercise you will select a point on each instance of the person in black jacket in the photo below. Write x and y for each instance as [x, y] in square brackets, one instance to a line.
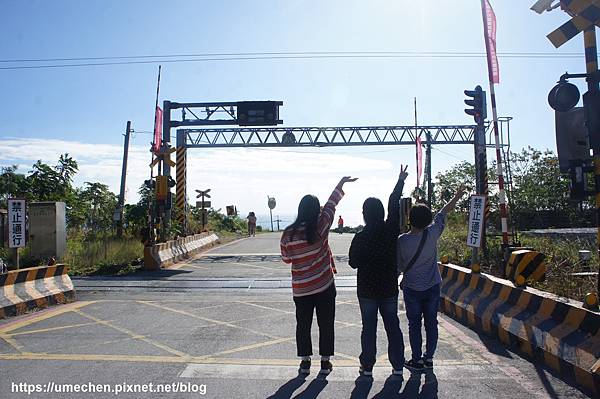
[373, 253]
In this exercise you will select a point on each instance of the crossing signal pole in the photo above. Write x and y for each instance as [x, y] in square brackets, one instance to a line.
[477, 102]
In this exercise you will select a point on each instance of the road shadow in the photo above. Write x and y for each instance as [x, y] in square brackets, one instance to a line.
[287, 390]
[494, 346]
[413, 388]
[362, 387]
[313, 389]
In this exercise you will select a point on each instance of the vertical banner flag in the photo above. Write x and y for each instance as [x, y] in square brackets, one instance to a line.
[419, 161]
[490, 26]
[158, 119]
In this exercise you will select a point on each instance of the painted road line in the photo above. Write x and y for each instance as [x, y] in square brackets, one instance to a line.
[134, 335]
[42, 315]
[216, 322]
[43, 330]
[340, 373]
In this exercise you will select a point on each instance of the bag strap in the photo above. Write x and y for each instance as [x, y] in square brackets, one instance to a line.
[419, 250]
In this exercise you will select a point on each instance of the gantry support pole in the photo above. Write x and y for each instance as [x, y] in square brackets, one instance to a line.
[181, 178]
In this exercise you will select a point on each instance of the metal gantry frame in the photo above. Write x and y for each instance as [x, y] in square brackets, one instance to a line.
[260, 137]
[270, 136]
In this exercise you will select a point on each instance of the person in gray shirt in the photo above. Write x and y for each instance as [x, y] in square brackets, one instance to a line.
[421, 282]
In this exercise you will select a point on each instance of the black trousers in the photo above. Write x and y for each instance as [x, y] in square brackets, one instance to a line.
[324, 302]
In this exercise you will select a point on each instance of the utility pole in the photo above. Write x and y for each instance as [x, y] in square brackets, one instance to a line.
[121, 205]
[428, 168]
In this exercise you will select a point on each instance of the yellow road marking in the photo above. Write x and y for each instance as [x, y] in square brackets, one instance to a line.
[12, 342]
[51, 329]
[46, 315]
[134, 335]
[249, 347]
[344, 323]
[216, 322]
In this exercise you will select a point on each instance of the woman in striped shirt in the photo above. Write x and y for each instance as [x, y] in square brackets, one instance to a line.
[305, 245]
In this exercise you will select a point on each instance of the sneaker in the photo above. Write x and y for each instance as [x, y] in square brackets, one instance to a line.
[414, 365]
[326, 367]
[428, 363]
[304, 367]
[366, 371]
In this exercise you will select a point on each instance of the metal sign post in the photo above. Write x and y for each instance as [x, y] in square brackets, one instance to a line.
[203, 204]
[271, 204]
[16, 226]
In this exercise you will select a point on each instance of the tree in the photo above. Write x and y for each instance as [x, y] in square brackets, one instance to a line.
[101, 204]
[12, 184]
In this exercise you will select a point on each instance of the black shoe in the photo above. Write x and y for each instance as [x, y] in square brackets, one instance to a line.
[428, 363]
[326, 367]
[415, 365]
[304, 367]
[366, 371]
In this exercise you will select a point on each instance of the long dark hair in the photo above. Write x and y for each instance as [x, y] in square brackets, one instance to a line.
[308, 214]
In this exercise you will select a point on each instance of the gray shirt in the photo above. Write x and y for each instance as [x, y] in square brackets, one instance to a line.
[424, 274]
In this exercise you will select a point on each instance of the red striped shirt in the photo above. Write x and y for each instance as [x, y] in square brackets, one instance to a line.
[311, 263]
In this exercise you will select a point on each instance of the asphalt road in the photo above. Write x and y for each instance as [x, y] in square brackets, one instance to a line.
[224, 323]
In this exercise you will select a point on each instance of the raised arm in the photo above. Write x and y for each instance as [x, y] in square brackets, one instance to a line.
[394, 200]
[328, 212]
[452, 203]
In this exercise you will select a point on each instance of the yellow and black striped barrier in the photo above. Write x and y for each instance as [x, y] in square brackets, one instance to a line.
[34, 288]
[561, 333]
[526, 265]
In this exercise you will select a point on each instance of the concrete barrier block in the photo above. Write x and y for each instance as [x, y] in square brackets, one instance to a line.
[34, 288]
[558, 331]
[166, 254]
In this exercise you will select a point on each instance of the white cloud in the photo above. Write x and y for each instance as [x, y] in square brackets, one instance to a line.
[243, 177]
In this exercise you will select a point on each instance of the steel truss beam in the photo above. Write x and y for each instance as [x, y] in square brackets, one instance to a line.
[326, 136]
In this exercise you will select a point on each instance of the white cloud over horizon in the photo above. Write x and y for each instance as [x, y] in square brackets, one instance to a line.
[240, 176]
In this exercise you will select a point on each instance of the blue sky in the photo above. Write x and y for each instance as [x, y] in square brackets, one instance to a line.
[83, 110]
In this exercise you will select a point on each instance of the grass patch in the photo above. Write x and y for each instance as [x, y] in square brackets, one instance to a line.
[562, 259]
[103, 256]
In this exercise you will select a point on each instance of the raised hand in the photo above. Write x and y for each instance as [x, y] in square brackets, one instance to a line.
[403, 172]
[347, 179]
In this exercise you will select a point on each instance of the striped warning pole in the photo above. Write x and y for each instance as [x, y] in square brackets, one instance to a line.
[181, 178]
[591, 66]
[489, 20]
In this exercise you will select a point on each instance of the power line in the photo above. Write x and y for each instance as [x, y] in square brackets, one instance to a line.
[301, 53]
[133, 60]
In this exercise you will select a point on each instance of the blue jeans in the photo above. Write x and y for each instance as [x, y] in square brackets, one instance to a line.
[388, 308]
[422, 305]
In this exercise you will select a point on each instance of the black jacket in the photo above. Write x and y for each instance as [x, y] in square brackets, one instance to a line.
[373, 253]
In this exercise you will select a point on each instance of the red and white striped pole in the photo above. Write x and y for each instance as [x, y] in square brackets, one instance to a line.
[489, 23]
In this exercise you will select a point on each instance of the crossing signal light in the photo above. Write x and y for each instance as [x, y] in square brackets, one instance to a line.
[162, 189]
[478, 102]
[258, 113]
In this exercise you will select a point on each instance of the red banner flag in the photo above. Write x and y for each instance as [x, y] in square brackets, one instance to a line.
[419, 161]
[158, 119]
[490, 34]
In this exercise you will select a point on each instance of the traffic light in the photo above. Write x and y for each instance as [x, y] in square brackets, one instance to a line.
[478, 102]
